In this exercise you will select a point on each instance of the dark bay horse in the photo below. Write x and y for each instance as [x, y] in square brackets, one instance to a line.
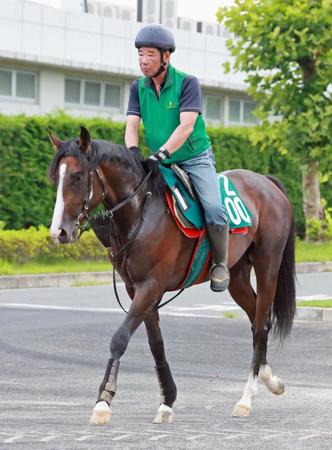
[153, 255]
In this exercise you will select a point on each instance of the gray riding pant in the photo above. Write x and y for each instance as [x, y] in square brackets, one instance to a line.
[202, 172]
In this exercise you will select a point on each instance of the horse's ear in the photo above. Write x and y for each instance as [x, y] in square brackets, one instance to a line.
[85, 140]
[55, 141]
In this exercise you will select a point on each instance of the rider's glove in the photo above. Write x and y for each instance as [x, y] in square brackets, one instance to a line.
[153, 161]
[134, 149]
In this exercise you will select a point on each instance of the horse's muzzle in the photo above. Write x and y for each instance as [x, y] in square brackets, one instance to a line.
[61, 236]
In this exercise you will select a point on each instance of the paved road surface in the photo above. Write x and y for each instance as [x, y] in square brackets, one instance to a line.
[52, 361]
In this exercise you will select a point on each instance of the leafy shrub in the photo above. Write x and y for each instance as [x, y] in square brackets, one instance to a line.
[32, 245]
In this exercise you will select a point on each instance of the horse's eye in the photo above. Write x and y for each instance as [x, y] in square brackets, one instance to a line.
[76, 178]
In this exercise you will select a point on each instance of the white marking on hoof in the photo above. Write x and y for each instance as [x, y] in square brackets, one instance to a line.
[101, 414]
[273, 383]
[241, 410]
[165, 414]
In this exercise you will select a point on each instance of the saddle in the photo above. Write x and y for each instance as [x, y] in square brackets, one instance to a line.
[187, 210]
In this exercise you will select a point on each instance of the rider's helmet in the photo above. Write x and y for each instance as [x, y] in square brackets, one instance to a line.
[157, 36]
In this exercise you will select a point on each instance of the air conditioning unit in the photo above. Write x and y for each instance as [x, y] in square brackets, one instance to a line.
[209, 28]
[148, 11]
[103, 9]
[169, 13]
[187, 24]
[126, 13]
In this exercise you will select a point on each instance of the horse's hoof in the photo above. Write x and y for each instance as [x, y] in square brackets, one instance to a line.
[101, 414]
[165, 414]
[241, 410]
[277, 387]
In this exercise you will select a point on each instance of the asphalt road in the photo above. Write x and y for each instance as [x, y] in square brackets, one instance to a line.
[53, 359]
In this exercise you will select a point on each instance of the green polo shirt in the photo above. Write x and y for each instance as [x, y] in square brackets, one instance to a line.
[161, 116]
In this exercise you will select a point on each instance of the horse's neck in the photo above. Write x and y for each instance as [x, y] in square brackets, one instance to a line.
[122, 182]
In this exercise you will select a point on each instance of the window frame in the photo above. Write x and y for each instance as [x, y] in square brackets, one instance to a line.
[13, 96]
[241, 121]
[101, 106]
[221, 109]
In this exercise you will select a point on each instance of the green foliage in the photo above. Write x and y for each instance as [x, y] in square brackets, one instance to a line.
[285, 47]
[32, 245]
[27, 197]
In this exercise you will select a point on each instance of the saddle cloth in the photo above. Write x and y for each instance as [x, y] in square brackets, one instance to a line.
[189, 217]
[189, 212]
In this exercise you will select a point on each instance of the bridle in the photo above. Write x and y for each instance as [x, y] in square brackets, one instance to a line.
[83, 218]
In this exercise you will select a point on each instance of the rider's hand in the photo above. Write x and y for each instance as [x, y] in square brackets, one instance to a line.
[153, 161]
[134, 149]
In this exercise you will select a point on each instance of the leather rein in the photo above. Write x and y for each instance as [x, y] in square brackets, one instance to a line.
[110, 213]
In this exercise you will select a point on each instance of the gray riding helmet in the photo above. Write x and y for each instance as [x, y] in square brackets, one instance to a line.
[155, 35]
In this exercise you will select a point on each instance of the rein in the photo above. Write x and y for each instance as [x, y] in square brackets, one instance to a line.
[110, 214]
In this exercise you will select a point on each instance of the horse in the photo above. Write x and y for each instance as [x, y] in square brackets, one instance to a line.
[152, 255]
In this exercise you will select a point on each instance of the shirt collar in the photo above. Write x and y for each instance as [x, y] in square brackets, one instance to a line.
[148, 82]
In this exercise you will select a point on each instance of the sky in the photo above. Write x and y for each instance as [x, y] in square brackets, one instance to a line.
[200, 10]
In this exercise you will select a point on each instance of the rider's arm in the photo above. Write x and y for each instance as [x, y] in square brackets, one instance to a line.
[131, 134]
[133, 117]
[182, 132]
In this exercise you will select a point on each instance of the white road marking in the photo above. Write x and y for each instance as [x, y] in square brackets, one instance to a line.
[192, 438]
[12, 439]
[314, 297]
[84, 438]
[49, 438]
[101, 310]
[157, 438]
[122, 437]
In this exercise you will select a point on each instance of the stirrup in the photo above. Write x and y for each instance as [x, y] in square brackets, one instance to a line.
[219, 284]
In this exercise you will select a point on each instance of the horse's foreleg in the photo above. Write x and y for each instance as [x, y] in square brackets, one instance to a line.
[140, 307]
[167, 386]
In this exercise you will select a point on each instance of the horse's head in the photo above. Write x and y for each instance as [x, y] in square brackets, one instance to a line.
[70, 173]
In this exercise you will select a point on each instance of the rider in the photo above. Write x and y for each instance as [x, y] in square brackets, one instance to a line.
[169, 103]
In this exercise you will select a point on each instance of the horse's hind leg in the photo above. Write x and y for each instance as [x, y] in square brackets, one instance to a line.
[242, 292]
[167, 386]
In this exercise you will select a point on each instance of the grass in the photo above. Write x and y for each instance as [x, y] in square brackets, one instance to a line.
[90, 283]
[316, 303]
[229, 315]
[313, 252]
[305, 252]
[65, 266]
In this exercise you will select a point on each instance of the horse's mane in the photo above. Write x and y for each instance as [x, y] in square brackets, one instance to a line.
[106, 152]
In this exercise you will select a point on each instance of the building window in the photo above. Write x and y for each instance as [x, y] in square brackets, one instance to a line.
[214, 108]
[248, 116]
[241, 112]
[234, 111]
[18, 84]
[5, 83]
[93, 93]
[72, 91]
[112, 96]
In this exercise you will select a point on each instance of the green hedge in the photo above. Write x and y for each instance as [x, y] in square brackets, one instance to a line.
[32, 245]
[27, 197]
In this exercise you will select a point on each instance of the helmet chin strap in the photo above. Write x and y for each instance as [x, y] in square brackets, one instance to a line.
[162, 65]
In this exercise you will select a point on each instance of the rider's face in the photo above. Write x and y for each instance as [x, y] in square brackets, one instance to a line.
[149, 60]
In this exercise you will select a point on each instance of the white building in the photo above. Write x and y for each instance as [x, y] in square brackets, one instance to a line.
[84, 63]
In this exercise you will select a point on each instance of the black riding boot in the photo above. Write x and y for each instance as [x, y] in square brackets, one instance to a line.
[219, 273]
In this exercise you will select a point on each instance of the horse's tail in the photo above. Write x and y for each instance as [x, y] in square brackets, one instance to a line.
[284, 305]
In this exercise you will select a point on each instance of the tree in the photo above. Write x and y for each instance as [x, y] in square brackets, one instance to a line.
[285, 48]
